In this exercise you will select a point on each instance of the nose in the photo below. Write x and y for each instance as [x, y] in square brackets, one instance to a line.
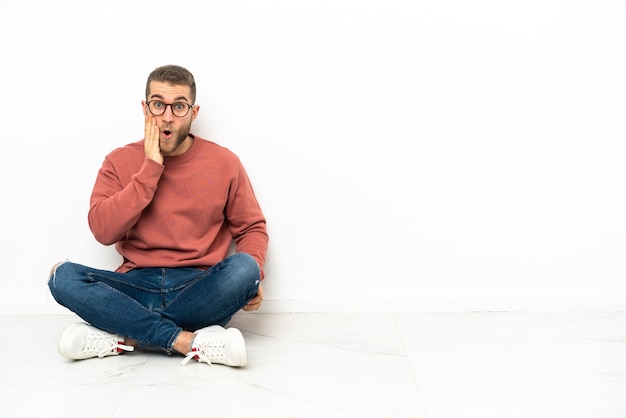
[168, 115]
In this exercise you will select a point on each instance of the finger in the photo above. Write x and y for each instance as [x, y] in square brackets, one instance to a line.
[259, 294]
[151, 140]
[255, 300]
[151, 129]
[253, 304]
[252, 307]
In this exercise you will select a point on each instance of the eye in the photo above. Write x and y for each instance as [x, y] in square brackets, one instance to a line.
[179, 106]
[157, 105]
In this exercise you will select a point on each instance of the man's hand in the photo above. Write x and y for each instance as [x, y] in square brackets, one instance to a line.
[151, 140]
[255, 302]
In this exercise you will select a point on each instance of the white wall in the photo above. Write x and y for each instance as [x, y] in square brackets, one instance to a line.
[424, 155]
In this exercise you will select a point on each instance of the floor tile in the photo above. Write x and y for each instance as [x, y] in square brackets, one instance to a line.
[518, 364]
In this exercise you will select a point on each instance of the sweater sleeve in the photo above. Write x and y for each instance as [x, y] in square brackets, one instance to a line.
[246, 220]
[115, 207]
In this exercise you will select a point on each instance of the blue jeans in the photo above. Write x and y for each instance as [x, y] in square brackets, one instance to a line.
[153, 305]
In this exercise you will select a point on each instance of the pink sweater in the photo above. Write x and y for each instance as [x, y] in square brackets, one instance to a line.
[186, 212]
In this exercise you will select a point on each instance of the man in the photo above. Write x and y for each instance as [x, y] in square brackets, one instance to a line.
[172, 203]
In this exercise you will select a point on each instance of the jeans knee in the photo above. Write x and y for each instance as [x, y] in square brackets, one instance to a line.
[60, 279]
[53, 273]
[249, 267]
[53, 269]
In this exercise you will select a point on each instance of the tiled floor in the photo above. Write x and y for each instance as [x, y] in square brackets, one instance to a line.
[444, 365]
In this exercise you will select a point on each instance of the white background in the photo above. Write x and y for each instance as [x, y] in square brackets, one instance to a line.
[409, 155]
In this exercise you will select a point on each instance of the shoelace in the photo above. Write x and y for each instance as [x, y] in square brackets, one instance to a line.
[205, 352]
[104, 344]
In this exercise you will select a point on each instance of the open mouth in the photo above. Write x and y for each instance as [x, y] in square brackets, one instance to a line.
[167, 134]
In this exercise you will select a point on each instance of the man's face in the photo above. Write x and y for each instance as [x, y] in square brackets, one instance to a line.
[173, 130]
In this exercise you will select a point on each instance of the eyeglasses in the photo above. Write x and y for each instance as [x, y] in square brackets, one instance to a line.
[179, 109]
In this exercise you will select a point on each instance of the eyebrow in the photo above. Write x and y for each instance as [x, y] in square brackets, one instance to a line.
[179, 98]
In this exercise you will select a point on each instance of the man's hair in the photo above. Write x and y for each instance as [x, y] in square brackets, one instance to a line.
[173, 74]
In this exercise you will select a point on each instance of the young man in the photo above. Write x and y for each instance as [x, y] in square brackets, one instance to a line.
[172, 203]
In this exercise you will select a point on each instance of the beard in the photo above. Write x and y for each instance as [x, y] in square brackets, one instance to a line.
[178, 137]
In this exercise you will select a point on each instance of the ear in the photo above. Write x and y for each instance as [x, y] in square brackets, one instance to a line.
[145, 107]
[194, 111]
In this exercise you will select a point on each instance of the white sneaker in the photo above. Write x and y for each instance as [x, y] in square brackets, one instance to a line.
[81, 341]
[215, 344]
